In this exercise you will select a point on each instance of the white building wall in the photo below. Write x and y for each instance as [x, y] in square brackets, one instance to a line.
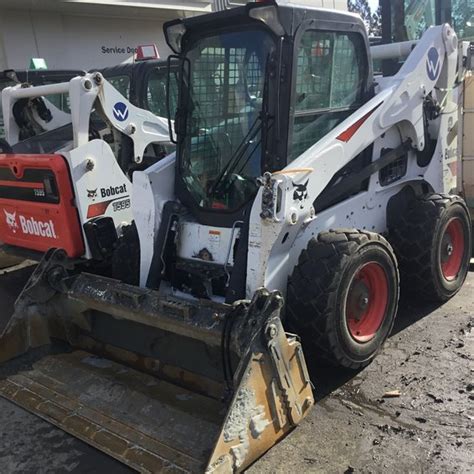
[3, 59]
[73, 41]
[332, 4]
[85, 37]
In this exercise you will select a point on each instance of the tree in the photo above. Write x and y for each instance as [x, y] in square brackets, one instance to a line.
[373, 21]
[462, 11]
[376, 22]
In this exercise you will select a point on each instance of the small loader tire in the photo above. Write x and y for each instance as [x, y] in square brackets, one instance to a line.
[432, 241]
[126, 256]
[342, 297]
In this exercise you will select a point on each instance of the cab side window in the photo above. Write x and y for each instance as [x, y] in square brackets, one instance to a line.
[61, 101]
[331, 72]
[122, 84]
[156, 93]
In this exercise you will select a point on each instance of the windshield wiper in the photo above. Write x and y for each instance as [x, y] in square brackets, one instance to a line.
[254, 130]
[238, 154]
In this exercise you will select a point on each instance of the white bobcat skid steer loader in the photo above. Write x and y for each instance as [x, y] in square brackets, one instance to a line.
[289, 168]
[71, 188]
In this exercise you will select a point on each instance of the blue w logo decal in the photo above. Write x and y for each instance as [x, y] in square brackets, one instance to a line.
[120, 111]
[433, 64]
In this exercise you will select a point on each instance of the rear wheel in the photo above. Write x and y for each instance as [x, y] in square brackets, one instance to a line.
[432, 241]
[343, 295]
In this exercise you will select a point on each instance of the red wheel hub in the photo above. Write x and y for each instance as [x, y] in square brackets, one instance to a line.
[452, 249]
[367, 302]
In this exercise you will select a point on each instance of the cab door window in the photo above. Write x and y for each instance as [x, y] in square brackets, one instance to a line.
[329, 83]
[156, 101]
[122, 84]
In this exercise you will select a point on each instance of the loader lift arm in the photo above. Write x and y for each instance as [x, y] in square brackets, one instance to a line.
[85, 93]
[399, 103]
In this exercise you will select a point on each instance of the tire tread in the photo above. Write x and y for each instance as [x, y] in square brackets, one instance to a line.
[313, 287]
[412, 240]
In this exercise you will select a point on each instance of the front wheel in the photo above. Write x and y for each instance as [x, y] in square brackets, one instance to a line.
[343, 296]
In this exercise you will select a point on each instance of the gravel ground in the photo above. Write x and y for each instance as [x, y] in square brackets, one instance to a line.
[353, 428]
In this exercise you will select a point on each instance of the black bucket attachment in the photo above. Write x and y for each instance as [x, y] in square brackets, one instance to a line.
[161, 384]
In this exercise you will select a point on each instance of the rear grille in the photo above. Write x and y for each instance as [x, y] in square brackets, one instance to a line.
[36, 185]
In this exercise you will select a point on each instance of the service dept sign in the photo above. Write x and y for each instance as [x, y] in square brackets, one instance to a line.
[118, 50]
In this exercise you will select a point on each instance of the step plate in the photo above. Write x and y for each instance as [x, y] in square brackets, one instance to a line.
[146, 423]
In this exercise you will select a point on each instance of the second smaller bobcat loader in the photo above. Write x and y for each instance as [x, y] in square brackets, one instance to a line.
[38, 208]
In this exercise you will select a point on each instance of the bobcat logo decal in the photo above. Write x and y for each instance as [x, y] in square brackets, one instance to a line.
[301, 191]
[11, 221]
[92, 193]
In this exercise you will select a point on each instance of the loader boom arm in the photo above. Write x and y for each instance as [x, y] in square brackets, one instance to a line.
[86, 93]
[430, 70]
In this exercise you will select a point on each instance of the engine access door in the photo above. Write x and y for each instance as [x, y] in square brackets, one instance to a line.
[37, 209]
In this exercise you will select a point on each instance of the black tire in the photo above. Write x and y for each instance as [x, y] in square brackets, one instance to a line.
[472, 239]
[126, 256]
[321, 292]
[421, 237]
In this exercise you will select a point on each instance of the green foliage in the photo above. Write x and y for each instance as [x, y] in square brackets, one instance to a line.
[373, 21]
[461, 14]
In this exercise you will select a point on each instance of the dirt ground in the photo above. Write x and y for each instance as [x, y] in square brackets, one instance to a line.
[353, 428]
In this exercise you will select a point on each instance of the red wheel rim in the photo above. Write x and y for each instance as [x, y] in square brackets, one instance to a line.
[367, 301]
[452, 249]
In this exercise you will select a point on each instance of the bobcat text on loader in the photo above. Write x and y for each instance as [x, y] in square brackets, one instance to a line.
[300, 191]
